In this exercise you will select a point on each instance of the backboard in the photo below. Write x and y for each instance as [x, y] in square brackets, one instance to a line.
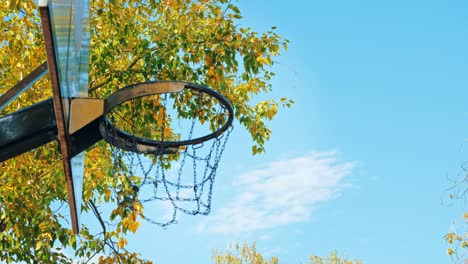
[66, 31]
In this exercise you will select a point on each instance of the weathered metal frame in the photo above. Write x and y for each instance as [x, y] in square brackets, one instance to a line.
[34, 126]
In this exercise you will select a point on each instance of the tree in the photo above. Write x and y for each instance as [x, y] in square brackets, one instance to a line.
[332, 258]
[246, 254]
[457, 239]
[132, 41]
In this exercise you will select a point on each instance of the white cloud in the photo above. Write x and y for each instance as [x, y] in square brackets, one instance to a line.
[280, 193]
[264, 237]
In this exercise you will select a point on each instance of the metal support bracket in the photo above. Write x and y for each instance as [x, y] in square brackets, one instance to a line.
[83, 111]
[22, 85]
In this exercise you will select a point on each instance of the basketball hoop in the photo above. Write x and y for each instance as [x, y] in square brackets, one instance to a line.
[191, 125]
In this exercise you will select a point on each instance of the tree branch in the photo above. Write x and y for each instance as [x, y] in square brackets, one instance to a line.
[108, 80]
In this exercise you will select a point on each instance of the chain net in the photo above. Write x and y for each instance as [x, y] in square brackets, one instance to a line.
[178, 180]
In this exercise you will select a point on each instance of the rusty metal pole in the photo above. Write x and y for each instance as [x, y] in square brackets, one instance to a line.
[62, 135]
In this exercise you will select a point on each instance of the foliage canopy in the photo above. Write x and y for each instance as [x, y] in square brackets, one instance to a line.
[132, 41]
[248, 254]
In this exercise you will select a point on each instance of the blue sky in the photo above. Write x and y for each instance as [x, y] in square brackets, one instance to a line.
[360, 163]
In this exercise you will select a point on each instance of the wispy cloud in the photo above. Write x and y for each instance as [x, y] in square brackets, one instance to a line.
[280, 193]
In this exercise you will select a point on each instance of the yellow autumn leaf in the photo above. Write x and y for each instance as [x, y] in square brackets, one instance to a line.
[107, 193]
[38, 245]
[47, 236]
[450, 251]
[167, 132]
[464, 244]
[122, 242]
[133, 226]
[449, 237]
[137, 206]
